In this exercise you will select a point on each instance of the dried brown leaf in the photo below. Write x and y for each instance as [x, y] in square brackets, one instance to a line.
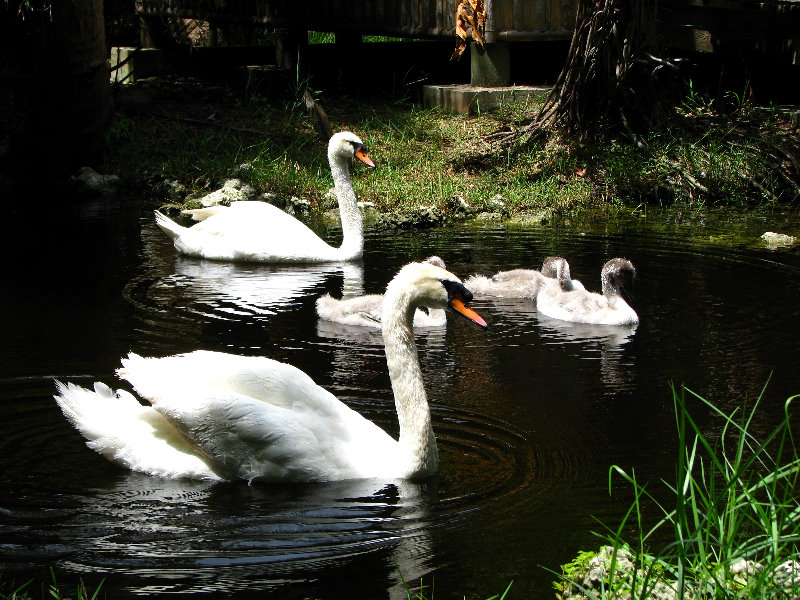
[472, 14]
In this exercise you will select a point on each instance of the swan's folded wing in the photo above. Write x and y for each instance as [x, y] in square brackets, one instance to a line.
[201, 214]
[252, 229]
[245, 438]
[516, 274]
[578, 306]
[478, 284]
[255, 417]
[363, 311]
[525, 285]
[582, 302]
[371, 317]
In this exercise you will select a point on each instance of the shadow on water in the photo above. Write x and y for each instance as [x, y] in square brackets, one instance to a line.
[529, 414]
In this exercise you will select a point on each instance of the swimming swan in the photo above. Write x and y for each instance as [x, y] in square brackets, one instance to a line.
[524, 283]
[254, 231]
[366, 311]
[580, 306]
[221, 416]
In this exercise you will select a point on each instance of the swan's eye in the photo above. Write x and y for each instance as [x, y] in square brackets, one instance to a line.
[359, 146]
[457, 290]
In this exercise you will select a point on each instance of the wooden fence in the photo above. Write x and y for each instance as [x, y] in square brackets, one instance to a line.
[506, 20]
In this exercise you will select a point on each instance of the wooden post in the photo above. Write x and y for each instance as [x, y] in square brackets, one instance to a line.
[491, 68]
[347, 46]
[290, 47]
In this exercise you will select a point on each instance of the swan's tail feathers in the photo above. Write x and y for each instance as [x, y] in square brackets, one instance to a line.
[201, 214]
[168, 226]
[128, 434]
[83, 408]
[132, 357]
[327, 307]
[101, 415]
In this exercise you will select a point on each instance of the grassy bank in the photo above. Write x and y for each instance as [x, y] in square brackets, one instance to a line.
[197, 134]
[732, 530]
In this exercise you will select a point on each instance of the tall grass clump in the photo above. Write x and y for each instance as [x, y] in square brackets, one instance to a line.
[733, 530]
[422, 593]
[9, 590]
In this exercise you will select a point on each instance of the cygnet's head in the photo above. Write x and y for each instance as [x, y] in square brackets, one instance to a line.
[346, 144]
[617, 276]
[557, 268]
[435, 260]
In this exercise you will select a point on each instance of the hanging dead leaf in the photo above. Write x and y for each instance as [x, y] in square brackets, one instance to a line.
[479, 21]
[472, 14]
[462, 19]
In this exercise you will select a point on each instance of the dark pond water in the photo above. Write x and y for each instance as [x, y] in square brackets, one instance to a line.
[529, 414]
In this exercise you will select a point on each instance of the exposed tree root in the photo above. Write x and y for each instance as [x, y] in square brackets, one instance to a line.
[612, 85]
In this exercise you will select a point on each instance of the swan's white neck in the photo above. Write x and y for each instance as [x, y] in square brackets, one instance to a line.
[418, 454]
[352, 227]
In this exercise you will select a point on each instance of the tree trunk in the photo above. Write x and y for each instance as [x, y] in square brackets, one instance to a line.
[609, 76]
[610, 79]
[70, 101]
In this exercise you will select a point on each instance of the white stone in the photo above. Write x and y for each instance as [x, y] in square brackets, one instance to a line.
[778, 239]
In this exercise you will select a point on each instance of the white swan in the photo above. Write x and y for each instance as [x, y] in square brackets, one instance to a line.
[366, 311]
[580, 306]
[524, 283]
[255, 231]
[221, 416]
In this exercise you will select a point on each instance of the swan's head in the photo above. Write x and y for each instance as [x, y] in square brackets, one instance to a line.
[348, 145]
[556, 267]
[617, 276]
[426, 284]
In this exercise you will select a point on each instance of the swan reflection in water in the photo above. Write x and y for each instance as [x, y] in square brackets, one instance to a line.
[609, 336]
[519, 320]
[188, 537]
[605, 340]
[521, 313]
[368, 336]
[233, 289]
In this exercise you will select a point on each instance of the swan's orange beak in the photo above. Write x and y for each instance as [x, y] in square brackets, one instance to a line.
[362, 156]
[458, 305]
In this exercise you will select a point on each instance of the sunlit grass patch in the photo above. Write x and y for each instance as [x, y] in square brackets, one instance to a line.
[423, 154]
